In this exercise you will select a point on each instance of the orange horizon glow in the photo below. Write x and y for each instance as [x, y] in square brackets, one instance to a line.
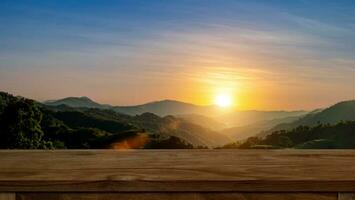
[265, 55]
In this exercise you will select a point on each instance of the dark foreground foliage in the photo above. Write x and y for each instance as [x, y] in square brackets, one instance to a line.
[321, 136]
[26, 124]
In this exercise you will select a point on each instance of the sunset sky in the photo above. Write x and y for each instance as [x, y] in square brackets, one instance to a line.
[266, 54]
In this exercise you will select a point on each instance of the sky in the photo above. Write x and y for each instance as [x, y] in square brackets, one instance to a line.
[266, 54]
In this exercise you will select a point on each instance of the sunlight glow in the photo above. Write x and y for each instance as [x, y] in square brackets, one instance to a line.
[223, 100]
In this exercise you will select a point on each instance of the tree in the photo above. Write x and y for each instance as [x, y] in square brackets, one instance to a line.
[20, 126]
[285, 141]
[171, 142]
[250, 142]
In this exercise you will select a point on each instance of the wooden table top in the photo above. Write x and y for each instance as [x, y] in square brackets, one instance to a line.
[177, 170]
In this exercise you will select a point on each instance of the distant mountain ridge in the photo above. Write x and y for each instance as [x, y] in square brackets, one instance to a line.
[62, 126]
[204, 121]
[76, 102]
[342, 111]
[330, 128]
[229, 118]
[243, 132]
[250, 117]
[163, 108]
[73, 108]
[112, 121]
[173, 126]
[79, 122]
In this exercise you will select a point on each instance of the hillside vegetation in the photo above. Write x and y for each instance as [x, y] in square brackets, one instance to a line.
[26, 124]
[80, 123]
[201, 115]
[333, 127]
[321, 136]
[342, 111]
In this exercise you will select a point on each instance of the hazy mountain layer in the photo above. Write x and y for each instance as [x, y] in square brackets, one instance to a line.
[204, 121]
[149, 122]
[229, 118]
[243, 132]
[342, 111]
[333, 127]
[26, 124]
[321, 136]
[76, 102]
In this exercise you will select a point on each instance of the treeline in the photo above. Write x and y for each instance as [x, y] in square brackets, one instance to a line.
[27, 124]
[20, 124]
[321, 136]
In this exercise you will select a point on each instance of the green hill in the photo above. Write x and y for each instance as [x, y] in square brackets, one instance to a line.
[210, 117]
[26, 124]
[76, 102]
[204, 121]
[322, 136]
[333, 127]
[342, 111]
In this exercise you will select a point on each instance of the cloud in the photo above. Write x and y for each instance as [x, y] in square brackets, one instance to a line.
[151, 47]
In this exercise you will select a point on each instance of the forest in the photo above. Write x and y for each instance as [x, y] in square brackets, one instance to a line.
[27, 124]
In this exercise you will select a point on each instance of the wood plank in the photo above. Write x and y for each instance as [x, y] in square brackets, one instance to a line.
[7, 196]
[178, 170]
[108, 186]
[346, 196]
[177, 196]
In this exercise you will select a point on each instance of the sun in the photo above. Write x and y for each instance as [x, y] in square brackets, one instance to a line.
[224, 100]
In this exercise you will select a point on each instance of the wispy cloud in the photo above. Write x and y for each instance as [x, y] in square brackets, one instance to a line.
[141, 49]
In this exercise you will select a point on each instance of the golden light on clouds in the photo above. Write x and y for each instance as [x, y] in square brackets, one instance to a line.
[217, 86]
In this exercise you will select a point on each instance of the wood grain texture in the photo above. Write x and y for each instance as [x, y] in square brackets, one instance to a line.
[7, 196]
[177, 196]
[346, 196]
[178, 170]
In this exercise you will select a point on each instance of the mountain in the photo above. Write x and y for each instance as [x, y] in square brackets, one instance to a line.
[329, 128]
[163, 108]
[173, 126]
[27, 124]
[321, 136]
[82, 123]
[204, 121]
[76, 102]
[243, 132]
[147, 116]
[111, 121]
[210, 117]
[342, 111]
[249, 117]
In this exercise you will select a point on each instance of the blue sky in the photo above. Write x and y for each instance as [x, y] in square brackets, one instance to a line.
[128, 52]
